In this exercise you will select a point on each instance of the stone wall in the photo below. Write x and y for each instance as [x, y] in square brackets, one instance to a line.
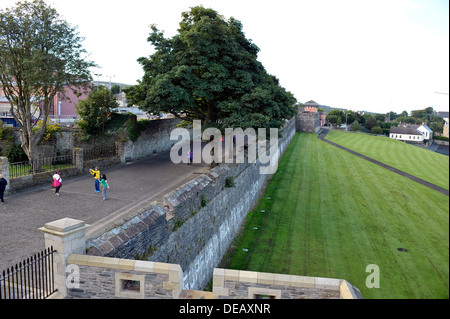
[108, 278]
[197, 224]
[240, 284]
[37, 179]
[77, 275]
[154, 139]
[308, 122]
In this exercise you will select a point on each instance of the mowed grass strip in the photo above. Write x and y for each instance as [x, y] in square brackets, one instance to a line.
[427, 165]
[329, 213]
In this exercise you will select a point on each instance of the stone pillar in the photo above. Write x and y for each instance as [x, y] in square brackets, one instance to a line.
[67, 236]
[78, 157]
[4, 169]
[124, 151]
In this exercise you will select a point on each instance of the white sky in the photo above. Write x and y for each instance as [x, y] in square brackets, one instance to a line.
[377, 55]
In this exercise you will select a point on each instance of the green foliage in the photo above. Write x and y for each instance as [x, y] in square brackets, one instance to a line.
[6, 132]
[209, 71]
[203, 201]
[371, 122]
[14, 153]
[335, 116]
[229, 182]
[135, 128]
[50, 131]
[95, 110]
[41, 55]
[441, 138]
[377, 130]
[356, 126]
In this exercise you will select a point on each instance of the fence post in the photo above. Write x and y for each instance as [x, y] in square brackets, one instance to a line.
[67, 236]
[4, 170]
[78, 158]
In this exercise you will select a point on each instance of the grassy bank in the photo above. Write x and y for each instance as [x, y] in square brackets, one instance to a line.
[329, 213]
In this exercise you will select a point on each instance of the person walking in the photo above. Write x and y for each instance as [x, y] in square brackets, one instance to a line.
[3, 184]
[57, 182]
[96, 173]
[105, 186]
[190, 156]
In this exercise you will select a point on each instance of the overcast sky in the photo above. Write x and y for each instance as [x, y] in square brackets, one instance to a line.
[378, 55]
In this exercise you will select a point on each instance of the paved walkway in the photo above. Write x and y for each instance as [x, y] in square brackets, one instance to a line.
[392, 169]
[131, 186]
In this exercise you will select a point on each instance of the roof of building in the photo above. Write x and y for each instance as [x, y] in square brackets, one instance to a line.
[311, 103]
[427, 128]
[405, 130]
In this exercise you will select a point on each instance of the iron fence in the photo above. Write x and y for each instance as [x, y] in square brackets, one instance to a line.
[42, 165]
[19, 169]
[100, 153]
[31, 279]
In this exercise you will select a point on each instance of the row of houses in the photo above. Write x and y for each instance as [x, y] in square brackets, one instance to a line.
[410, 133]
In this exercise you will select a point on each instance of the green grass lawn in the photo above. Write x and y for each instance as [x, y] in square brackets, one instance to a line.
[329, 213]
[430, 166]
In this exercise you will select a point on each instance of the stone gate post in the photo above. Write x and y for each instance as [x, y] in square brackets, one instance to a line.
[67, 236]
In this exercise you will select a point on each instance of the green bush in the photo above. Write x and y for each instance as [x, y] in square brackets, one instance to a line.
[377, 130]
[441, 138]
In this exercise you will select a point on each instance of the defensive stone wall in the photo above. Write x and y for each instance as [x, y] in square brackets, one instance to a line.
[308, 122]
[197, 223]
[77, 275]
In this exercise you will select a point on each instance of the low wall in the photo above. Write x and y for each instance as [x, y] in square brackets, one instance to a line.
[197, 223]
[94, 277]
[240, 284]
[37, 179]
[76, 275]
[113, 278]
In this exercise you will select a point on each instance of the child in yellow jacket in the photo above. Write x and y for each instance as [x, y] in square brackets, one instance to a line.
[96, 173]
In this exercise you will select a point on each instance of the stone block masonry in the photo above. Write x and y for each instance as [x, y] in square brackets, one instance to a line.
[113, 278]
[308, 122]
[197, 224]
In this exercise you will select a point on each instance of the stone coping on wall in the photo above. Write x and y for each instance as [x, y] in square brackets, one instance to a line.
[174, 271]
[254, 283]
[271, 284]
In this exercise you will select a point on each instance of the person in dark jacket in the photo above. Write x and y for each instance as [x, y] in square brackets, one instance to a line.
[3, 184]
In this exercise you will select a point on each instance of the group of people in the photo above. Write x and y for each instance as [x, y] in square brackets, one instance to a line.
[98, 180]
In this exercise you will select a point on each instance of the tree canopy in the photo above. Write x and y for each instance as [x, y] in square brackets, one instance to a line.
[40, 56]
[96, 109]
[209, 71]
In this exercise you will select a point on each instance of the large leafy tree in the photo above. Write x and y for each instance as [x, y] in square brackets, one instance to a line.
[209, 71]
[40, 56]
[96, 109]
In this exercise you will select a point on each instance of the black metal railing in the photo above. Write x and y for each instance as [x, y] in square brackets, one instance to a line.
[100, 153]
[31, 279]
[19, 169]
